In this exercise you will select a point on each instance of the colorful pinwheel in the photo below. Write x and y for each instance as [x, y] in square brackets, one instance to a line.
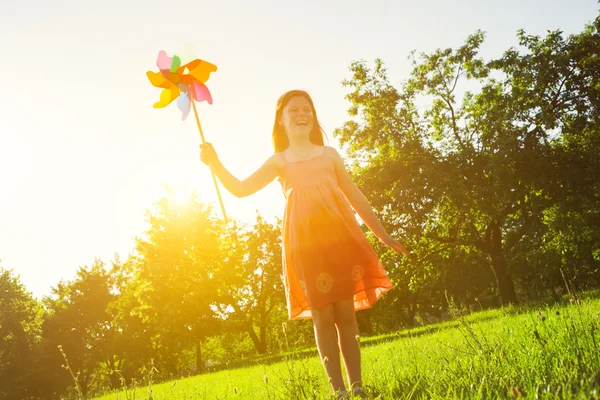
[186, 84]
[181, 82]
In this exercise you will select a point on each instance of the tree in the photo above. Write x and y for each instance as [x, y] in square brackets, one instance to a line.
[178, 267]
[550, 92]
[77, 320]
[254, 286]
[475, 172]
[20, 322]
[134, 334]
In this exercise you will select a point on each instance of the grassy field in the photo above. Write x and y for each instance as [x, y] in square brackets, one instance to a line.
[535, 351]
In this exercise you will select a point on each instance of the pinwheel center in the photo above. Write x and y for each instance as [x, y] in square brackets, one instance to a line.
[174, 78]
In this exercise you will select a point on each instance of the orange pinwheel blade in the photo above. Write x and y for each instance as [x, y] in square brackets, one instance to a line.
[198, 69]
[157, 79]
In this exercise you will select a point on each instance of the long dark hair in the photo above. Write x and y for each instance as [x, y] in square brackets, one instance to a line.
[280, 138]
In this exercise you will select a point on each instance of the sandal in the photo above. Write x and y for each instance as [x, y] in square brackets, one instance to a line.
[359, 391]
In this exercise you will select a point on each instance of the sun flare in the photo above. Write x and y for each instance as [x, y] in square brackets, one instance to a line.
[174, 181]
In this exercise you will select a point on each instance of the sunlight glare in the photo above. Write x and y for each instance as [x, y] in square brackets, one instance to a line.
[172, 180]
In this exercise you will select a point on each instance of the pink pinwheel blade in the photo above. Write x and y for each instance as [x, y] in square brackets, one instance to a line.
[201, 93]
[184, 104]
[164, 61]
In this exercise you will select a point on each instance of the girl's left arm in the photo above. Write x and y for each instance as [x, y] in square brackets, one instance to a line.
[359, 202]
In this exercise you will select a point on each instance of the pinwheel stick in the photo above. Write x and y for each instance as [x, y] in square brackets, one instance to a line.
[211, 170]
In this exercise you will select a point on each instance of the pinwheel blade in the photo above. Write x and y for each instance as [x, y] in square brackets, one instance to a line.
[164, 62]
[176, 64]
[200, 69]
[157, 79]
[184, 104]
[186, 54]
[201, 93]
[167, 96]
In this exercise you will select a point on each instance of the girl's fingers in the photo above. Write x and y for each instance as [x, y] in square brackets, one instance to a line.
[208, 155]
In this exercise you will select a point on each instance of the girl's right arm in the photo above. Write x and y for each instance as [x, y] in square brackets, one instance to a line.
[258, 180]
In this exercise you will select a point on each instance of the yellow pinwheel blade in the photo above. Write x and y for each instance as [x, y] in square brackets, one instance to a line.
[167, 96]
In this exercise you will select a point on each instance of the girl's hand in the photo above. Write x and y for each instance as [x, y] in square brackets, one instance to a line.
[208, 155]
[394, 245]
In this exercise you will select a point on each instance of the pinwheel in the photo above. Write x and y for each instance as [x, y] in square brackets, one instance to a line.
[186, 83]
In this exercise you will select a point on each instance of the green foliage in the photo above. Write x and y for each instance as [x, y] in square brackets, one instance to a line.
[468, 158]
[78, 321]
[254, 288]
[20, 329]
[177, 268]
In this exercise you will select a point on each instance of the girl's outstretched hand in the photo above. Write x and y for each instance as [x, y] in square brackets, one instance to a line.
[208, 155]
[394, 244]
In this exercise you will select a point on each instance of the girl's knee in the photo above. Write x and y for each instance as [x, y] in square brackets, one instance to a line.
[324, 317]
[345, 315]
[345, 319]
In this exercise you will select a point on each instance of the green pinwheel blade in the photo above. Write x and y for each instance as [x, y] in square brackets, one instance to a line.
[175, 64]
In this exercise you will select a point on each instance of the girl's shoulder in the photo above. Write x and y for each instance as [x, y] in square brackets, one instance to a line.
[277, 160]
[331, 152]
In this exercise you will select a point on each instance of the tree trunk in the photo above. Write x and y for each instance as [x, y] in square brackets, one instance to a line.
[263, 331]
[199, 365]
[411, 308]
[506, 287]
[407, 307]
[115, 379]
[365, 324]
[260, 346]
[83, 380]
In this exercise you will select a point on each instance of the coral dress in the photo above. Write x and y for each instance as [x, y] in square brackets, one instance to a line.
[326, 256]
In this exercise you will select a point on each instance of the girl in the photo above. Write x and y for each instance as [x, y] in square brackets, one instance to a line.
[330, 269]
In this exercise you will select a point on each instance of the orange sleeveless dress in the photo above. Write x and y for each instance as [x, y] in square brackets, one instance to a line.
[326, 256]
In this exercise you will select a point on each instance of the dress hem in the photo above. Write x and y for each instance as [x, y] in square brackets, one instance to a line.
[383, 290]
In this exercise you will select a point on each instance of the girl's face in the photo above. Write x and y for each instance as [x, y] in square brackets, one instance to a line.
[297, 117]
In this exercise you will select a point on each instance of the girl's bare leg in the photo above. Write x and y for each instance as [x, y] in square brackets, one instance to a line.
[347, 327]
[324, 322]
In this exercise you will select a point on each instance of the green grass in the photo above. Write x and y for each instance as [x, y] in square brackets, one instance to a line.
[535, 351]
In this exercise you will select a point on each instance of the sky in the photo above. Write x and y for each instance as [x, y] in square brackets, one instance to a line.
[84, 155]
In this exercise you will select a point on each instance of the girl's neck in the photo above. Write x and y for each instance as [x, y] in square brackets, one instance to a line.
[300, 143]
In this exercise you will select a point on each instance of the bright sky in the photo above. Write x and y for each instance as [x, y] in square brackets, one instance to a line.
[83, 154]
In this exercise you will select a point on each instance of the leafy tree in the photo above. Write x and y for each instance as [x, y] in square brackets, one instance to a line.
[254, 288]
[79, 325]
[20, 322]
[134, 333]
[178, 267]
[568, 72]
[471, 173]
